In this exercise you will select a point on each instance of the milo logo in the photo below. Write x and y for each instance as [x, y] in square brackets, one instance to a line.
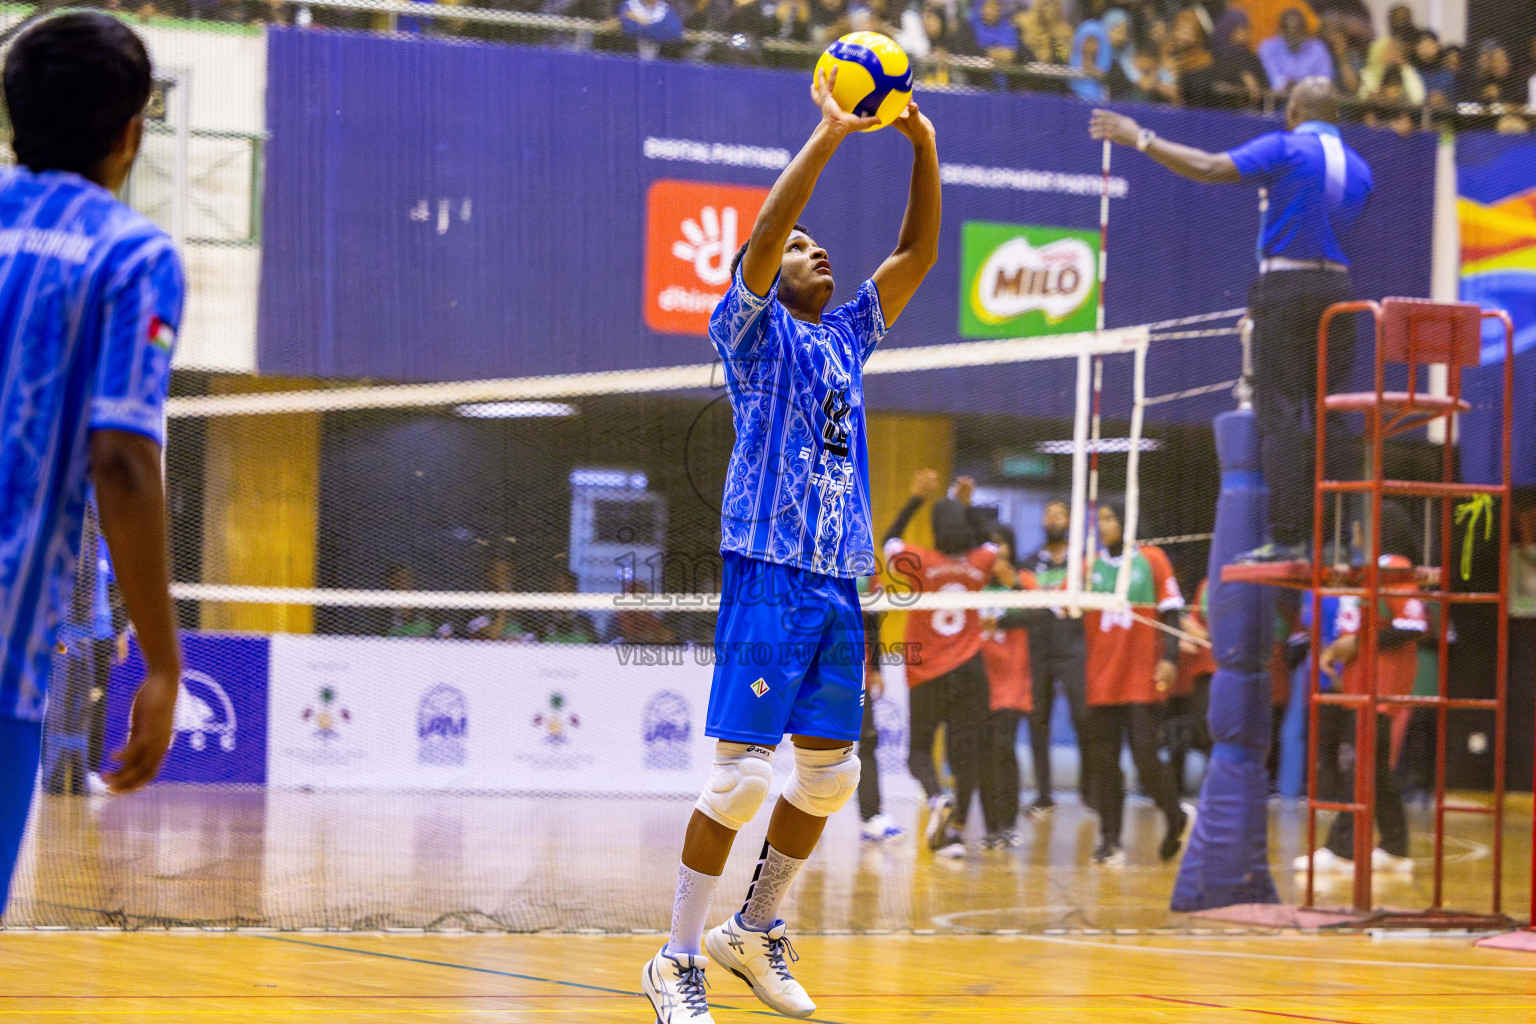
[1021, 280]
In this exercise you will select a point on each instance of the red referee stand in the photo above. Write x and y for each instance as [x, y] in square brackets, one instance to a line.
[1416, 334]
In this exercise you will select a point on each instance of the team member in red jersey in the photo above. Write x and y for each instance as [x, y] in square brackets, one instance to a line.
[1131, 666]
[1400, 623]
[944, 664]
[1006, 656]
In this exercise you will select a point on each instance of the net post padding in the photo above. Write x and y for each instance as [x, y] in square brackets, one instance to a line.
[1227, 862]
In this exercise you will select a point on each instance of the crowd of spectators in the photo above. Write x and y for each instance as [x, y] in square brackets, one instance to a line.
[1222, 54]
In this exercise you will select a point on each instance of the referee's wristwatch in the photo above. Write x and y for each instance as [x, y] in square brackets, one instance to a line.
[1144, 139]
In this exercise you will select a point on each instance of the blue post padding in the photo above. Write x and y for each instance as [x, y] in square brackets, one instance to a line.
[1227, 860]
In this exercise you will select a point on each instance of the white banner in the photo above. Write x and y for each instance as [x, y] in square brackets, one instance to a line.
[474, 716]
[372, 713]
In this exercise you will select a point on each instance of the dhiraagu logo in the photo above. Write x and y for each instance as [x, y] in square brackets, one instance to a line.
[1021, 280]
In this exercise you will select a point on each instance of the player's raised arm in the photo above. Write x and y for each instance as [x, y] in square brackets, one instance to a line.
[786, 201]
[1187, 161]
[917, 247]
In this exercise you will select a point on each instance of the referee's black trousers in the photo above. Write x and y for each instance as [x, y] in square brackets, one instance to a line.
[1286, 307]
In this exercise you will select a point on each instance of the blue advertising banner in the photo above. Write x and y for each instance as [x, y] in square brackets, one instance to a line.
[440, 211]
[1496, 183]
[221, 713]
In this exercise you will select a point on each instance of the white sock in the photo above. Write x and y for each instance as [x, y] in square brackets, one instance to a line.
[690, 907]
[775, 873]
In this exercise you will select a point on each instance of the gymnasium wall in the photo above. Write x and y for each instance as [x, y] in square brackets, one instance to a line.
[441, 211]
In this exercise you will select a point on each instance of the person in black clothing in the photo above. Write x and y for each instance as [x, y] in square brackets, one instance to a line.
[1397, 629]
[1237, 78]
[878, 827]
[1057, 655]
[947, 675]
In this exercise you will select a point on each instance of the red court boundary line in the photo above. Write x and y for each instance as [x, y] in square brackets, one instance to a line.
[1243, 1009]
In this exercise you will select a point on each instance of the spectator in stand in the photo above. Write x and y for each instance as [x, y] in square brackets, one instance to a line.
[794, 17]
[1390, 106]
[829, 21]
[652, 24]
[1266, 15]
[1150, 81]
[1345, 47]
[1238, 77]
[994, 35]
[945, 43]
[1429, 60]
[1122, 50]
[1093, 56]
[1293, 54]
[1400, 29]
[747, 23]
[1405, 84]
[1493, 80]
[1193, 63]
[1046, 32]
[912, 36]
[872, 16]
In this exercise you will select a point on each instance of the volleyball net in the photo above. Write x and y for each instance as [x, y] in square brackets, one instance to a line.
[449, 646]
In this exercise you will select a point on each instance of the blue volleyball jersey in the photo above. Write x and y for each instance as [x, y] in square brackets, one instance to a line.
[90, 301]
[797, 490]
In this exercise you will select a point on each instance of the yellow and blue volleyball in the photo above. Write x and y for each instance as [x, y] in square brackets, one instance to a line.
[874, 76]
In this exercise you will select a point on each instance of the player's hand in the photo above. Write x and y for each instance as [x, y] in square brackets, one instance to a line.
[914, 124]
[1117, 128]
[1339, 653]
[874, 683]
[833, 116]
[1164, 674]
[149, 733]
[1003, 573]
[925, 484]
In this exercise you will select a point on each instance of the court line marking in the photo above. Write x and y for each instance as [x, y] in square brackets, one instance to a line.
[1245, 1009]
[511, 974]
[1065, 941]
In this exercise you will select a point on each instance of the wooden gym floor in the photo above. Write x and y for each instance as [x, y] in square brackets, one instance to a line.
[886, 934]
[142, 978]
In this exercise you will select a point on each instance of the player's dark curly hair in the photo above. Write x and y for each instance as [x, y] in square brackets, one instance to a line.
[72, 85]
[736, 260]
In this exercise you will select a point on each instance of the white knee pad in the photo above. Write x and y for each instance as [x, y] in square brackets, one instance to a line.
[738, 783]
[823, 780]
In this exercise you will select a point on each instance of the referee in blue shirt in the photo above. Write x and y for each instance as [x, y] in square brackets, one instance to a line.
[1315, 187]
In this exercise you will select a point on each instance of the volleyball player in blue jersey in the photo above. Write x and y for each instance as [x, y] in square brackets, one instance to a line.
[90, 299]
[795, 536]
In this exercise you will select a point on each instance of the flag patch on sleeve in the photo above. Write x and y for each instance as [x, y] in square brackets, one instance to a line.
[160, 333]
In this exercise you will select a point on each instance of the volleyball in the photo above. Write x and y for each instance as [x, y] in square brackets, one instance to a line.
[874, 75]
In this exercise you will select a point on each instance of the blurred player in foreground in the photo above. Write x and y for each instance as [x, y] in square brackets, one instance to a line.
[90, 299]
[795, 536]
